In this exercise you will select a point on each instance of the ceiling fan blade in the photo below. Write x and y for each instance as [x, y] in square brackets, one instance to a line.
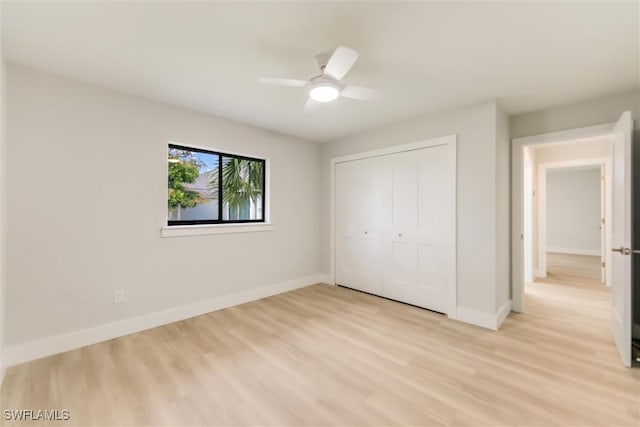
[359, 92]
[341, 62]
[282, 82]
[311, 106]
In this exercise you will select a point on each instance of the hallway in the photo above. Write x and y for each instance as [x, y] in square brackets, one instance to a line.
[574, 270]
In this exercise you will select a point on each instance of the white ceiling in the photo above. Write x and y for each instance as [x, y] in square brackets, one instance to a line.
[422, 56]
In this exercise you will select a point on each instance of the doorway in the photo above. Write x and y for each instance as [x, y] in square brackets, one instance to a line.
[567, 200]
[558, 264]
[573, 207]
[571, 158]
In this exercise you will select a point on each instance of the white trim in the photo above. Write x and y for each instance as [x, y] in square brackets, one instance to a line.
[517, 196]
[199, 230]
[485, 320]
[332, 220]
[574, 251]
[432, 142]
[503, 312]
[24, 352]
[452, 291]
[451, 141]
[542, 221]
[266, 214]
[568, 135]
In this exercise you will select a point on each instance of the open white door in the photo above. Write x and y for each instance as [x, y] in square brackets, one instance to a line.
[603, 227]
[621, 238]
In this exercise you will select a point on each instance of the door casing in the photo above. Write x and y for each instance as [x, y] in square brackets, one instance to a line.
[517, 196]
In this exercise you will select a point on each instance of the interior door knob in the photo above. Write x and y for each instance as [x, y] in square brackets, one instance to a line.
[622, 250]
[399, 234]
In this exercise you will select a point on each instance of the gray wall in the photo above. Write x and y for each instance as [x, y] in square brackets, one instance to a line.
[606, 109]
[477, 171]
[88, 199]
[2, 201]
[503, 208]
[573, 211]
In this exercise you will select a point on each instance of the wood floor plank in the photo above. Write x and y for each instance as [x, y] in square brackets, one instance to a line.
[330, 356]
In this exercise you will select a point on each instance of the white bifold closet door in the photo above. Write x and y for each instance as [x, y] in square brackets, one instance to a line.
[394, 216]
[363, 191]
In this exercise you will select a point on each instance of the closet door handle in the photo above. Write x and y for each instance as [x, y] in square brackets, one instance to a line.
[399, 234]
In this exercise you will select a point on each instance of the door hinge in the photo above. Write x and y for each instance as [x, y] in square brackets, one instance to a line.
[603, 264]
[603, 220]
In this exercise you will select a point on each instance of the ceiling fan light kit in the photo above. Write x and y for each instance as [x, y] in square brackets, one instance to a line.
[326, 87]
[323, 89]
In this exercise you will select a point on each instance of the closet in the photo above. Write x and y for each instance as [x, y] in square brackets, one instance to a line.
[395, 223]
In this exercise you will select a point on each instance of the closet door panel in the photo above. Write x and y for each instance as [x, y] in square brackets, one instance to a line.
[369, 271]
[434, 220]
[362, 207]
[415, 271]
[405, 189]
[400, 271]
[394, 220]
[374, 196]
[347, 209]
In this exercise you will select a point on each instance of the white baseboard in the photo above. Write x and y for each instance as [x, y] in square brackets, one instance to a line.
[574, 251]
[503, 312]
[24, 352]
[485, 320]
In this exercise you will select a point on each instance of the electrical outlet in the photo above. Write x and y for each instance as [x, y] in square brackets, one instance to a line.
[118, 296]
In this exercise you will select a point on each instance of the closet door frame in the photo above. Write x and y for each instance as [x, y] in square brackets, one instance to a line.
[449, 141]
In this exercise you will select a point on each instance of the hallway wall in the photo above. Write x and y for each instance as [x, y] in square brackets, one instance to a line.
[573, 211]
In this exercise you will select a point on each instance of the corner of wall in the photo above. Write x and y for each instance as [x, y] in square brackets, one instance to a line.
[503, 208]
[484, 320]
[2, 201]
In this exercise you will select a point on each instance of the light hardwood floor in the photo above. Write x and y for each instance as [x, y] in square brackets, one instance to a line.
[326, 355]
[574, 270]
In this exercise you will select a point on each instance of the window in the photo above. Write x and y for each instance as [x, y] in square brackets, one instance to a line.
[207, 187]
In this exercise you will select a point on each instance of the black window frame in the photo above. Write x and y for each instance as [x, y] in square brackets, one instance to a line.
[220, 155]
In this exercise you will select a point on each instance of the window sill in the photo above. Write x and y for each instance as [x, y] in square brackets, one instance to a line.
[201, 230]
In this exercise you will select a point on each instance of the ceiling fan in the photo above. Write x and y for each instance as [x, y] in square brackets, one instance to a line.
[326, 86]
